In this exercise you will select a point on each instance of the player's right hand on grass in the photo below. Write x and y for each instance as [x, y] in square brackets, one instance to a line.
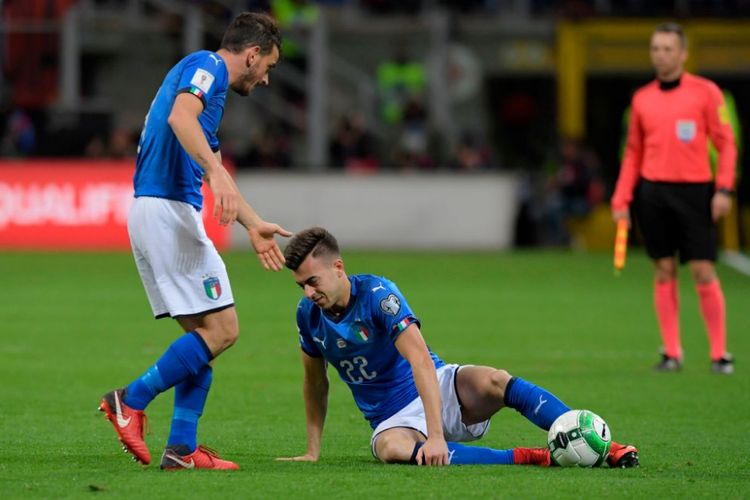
[307, 457]
[226, 197]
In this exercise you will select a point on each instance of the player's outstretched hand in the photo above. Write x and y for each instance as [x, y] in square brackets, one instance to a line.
[226, 197]
[262, 239]
[308, 457]
[721, 205]
[434, 451]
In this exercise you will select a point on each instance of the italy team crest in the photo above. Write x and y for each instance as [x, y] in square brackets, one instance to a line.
[361, 333]
[212, 286]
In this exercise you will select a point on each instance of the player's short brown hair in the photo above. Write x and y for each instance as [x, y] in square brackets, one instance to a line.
[314, 241]
[673, 28]
[249, 29]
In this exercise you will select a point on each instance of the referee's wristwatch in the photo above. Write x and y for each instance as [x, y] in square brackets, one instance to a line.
[726, 191]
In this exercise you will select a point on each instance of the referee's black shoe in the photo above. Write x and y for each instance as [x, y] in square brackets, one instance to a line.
[724, 365]
[668, 364]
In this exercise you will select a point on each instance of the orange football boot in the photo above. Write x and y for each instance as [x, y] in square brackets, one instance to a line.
[175, 458]
[129, 424]
[622, 456]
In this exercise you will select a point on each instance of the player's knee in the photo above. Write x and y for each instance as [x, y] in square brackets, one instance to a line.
[224, 335]
[393, 451]
[498, 382]
[230, 334]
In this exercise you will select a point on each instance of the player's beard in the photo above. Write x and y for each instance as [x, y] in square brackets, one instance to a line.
[249, 81]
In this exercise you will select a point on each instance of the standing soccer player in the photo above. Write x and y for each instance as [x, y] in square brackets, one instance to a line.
[183, 274]
[677, 203]
[419, 407]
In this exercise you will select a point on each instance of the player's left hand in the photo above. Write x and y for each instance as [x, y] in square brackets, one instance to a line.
[721, 205]
[434, 451]
[262, 239]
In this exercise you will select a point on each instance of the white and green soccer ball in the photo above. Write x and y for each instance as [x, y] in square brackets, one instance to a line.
[579, 437]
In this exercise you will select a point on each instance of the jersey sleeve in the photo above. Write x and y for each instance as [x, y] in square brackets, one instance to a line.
[630, 169]
[720, 132]
[202, 76]
[390, 310]
[306, 342]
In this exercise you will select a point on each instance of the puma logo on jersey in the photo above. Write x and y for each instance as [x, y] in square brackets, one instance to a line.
[216, 59]
[379, 287]
[320, 341]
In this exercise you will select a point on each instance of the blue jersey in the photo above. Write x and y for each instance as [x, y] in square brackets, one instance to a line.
[163, 167]
[360, 345]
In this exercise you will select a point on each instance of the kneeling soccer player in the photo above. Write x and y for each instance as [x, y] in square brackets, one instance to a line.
[419, 407]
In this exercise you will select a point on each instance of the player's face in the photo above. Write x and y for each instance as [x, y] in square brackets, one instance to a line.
[667, 55]
[256, 71]
[321, 280]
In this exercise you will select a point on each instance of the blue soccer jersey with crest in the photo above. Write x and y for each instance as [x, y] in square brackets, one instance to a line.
[163, 167]
[360, 345]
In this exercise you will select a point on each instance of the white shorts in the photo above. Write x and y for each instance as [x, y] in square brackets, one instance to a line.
[181, 270]
[412, 415]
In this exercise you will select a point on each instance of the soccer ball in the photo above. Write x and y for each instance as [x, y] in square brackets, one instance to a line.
[579, 437]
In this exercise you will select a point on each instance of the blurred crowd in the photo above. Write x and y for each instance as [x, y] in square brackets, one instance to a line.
[563, 179]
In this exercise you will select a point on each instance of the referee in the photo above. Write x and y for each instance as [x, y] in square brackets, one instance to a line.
[677, 201]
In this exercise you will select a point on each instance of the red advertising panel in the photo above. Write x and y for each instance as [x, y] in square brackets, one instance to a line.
[74, 205]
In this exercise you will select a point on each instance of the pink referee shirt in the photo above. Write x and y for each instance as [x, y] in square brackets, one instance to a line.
[667, 137]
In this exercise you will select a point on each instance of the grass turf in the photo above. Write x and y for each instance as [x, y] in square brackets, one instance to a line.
[77, 325]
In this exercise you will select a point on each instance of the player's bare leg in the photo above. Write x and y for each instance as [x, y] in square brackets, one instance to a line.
[186, 366]
[397, 445]
[219, 329]
[481, 390]
[401, 444]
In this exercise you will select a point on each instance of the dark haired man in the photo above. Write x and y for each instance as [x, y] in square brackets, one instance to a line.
[183, 274]
[419, 407]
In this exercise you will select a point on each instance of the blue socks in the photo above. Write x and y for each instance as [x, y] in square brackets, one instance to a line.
[536, 404]
[459, 454]
[186, 357]
[189, 399]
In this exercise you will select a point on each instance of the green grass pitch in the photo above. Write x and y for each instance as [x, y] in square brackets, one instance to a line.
[77, 325]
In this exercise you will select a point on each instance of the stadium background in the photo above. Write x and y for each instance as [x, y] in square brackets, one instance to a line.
[465, 149]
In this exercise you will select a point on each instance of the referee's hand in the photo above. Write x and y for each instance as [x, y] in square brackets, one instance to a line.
[620, 214]
[721, 205]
